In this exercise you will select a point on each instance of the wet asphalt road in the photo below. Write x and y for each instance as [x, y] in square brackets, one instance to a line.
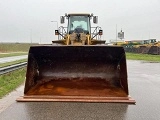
[144, 87]
[13, 58]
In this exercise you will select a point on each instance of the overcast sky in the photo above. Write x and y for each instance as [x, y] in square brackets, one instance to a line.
[30, 20]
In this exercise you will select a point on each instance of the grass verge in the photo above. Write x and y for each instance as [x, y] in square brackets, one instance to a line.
[10, 81]
[146, 57]
[12, 63]
[12, 54]
[14, 47]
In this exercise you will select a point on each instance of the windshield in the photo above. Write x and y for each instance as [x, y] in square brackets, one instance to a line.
[79, 22]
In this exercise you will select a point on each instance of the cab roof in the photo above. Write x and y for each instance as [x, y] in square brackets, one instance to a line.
[78, 14]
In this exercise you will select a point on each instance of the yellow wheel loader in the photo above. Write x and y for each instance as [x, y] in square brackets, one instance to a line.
[78, 67]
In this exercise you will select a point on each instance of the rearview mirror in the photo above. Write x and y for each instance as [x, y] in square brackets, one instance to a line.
[95, 19]
[62, 19]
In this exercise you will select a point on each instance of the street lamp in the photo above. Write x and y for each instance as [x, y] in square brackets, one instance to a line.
[57, 27]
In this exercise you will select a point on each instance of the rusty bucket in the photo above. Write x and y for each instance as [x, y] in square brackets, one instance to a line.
[76, 73]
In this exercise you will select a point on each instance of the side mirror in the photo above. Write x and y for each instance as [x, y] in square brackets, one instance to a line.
[95, 19]
[56, 32]
[100, 32]
[62, 19]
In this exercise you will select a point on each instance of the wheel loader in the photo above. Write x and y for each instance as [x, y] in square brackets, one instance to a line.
[78, 67]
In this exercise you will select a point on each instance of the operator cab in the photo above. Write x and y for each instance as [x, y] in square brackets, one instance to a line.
[79, 23]
[78, 27]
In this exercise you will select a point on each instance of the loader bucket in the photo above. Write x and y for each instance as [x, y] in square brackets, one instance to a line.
[76, 73]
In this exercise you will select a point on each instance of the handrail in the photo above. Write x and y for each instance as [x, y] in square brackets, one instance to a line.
[62, 31]
[95, 33]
